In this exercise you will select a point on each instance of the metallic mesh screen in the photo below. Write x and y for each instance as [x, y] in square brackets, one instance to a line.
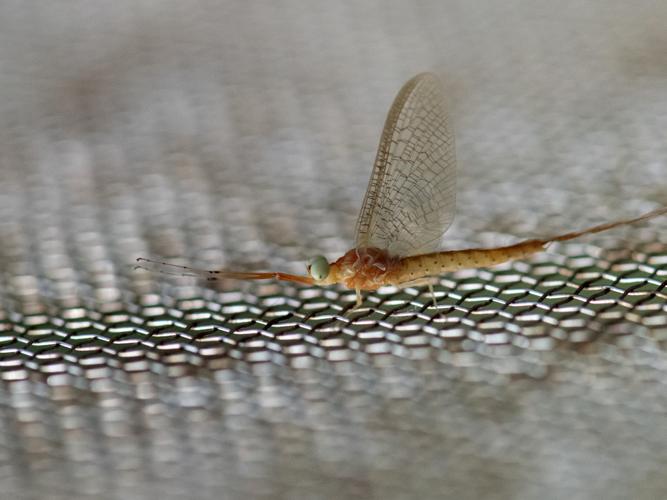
[241, 134]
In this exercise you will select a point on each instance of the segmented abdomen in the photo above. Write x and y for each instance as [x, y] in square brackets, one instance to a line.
[433, 264]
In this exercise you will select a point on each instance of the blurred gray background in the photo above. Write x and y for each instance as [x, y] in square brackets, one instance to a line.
[242, 134]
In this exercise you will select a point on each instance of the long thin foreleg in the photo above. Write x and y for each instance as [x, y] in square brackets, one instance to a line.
[213, 275]
[156, 266]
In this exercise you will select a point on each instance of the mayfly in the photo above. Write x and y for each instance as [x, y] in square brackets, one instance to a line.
[408, 206]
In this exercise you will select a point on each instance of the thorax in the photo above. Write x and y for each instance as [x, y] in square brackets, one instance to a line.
[366, 268]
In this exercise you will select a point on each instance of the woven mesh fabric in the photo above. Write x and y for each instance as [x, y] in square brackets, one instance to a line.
[241, 134]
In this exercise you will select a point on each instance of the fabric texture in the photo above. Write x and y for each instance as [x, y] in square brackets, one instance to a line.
[242, 135]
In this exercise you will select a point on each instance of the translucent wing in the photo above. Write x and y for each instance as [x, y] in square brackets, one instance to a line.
[410, 199]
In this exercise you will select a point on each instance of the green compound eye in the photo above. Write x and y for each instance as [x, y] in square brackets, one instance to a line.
[319, 268]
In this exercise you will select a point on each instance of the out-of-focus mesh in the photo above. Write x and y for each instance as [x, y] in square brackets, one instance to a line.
[242, 134]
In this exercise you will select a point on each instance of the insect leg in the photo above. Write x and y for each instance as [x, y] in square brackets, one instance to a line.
[430, 281]
[360, 300]
[418, 282]
[430, 289]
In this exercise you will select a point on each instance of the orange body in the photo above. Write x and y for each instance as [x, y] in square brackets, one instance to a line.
[370, 268]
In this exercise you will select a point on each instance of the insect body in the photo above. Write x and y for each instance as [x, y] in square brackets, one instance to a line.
[409, 204]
